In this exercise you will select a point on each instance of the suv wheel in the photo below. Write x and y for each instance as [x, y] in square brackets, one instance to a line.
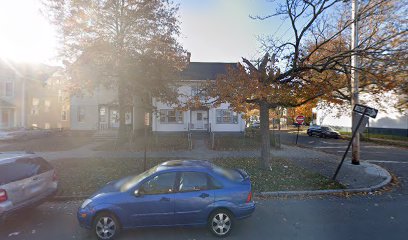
[220, 223]
[106, 226]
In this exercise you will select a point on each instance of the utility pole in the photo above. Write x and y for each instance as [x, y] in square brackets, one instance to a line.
[355, 152]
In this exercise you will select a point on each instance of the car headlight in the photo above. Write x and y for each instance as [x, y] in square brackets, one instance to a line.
[86, 203]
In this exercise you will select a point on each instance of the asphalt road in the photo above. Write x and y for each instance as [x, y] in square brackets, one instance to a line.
[369, 151]
[371, 216]
[394, 159]
[359, 217]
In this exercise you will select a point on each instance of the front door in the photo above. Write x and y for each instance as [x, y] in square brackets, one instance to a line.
[200, 120]
[5, 118]
[114, 118]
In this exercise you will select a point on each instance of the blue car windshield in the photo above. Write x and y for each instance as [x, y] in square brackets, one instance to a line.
[131, 181]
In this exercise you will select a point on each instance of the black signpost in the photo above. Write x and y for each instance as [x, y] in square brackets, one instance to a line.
[364, 111]
[299, 119]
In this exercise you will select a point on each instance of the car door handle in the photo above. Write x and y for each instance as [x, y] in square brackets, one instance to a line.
[35, 178]
[204, 195]
[164, 199]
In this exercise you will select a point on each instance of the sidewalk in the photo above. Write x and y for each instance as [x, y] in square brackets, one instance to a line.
[365, 175]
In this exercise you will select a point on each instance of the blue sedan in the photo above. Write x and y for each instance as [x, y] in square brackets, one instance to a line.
[174, 193]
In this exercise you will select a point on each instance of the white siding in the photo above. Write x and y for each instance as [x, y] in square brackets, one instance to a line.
[388, 116]
[186, 89]
[90, 103]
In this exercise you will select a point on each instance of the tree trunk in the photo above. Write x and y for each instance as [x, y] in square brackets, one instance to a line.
[122, 111]
[265, 138]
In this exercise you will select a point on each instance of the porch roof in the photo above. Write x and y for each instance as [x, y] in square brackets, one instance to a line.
[5, 104]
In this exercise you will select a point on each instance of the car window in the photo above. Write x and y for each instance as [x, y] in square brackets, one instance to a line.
[160, 184]
[193, 181]
[20, 169]
[43, 166]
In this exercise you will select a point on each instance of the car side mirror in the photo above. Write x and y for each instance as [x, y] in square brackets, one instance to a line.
[137, 193]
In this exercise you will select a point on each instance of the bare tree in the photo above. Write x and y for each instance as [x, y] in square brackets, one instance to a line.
[315, 61]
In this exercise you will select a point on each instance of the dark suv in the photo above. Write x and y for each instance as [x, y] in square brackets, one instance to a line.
[324, 132]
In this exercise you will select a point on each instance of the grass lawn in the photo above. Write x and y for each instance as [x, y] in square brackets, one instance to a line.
[235, 142]
[85, 176]
[54, 142]
[154, 143]
[381, 139]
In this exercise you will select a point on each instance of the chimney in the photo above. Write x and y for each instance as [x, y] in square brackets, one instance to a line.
[188, 56]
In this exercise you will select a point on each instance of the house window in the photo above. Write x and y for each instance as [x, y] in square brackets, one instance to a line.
[63, 115]
[197, 91]
[224, 116]
[47, 105]
[80, 114]
[35, 106]
[9, 89]
[171, 116]
[36, 101]
[60, 96]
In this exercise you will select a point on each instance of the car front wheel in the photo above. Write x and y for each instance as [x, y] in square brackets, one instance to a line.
[106, 226]
[220, 223]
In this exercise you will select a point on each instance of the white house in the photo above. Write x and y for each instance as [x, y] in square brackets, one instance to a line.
[99, 110]
[219, 119]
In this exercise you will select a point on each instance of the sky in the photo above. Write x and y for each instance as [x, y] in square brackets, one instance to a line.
[212, 30]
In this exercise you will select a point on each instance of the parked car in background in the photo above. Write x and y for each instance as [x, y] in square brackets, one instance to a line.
[314, 130]
[174, 193]
[328, 132]
[324, 132]
[255, 124]
[23, 134]
[25, 180]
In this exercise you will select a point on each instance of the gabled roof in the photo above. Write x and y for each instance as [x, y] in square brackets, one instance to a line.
[205, 70]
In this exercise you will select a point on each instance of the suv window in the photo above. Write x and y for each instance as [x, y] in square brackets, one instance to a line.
[19, 169]
[160, 184]
[23, 168]
[43, 166]
[193, 181]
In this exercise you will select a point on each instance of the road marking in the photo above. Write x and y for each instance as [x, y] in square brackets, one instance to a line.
[361, 151]
[330, 147]
[382, 161]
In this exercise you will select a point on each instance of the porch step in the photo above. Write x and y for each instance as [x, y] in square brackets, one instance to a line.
[105, 135]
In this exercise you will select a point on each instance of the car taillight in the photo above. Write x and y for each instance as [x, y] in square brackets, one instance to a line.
[249, 198]
[3, 195]
[54, 176]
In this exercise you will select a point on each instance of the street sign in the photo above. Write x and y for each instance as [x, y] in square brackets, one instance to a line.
[300, 119]
[365, 113]
[371, 112]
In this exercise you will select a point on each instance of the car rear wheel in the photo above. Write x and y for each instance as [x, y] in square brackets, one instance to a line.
[220, 223]
[106, 226]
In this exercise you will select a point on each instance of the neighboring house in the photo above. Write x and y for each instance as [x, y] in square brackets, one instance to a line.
[389, 120]
[99, 110]
[31, 96]
[206, 118]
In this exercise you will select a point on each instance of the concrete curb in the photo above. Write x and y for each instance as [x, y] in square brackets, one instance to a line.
[332, 191]
[68, 198]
